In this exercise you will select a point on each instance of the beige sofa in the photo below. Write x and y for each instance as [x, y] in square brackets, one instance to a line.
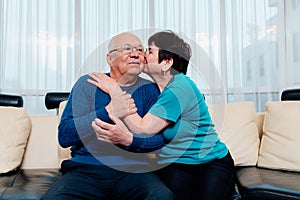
[31, 143]
[42, 149]
[249, 136]
[265, 147]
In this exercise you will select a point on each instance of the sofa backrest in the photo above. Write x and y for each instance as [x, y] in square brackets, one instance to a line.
[281, 136]
[42, 146]
[248, 157]
[43, 150]
[259, 121]
[63, 153]
[236, 126]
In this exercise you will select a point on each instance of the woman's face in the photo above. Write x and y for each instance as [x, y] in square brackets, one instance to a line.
[152, 66]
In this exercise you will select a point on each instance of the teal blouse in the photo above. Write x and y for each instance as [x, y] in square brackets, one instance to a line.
[191, 137]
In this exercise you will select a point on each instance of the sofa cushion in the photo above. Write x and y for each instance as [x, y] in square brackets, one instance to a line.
[29, 184]
[281, 136]
[41, 148]
[15, 127]
[235, 123]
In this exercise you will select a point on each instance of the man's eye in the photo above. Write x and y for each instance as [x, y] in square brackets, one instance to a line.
[140, 49]
[127, 48]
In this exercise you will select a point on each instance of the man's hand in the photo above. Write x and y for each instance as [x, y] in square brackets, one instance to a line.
[115, 134]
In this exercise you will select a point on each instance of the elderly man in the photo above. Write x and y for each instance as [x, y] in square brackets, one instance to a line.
[99, 170]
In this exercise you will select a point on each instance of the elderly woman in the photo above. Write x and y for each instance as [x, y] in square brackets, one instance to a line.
[193, 152]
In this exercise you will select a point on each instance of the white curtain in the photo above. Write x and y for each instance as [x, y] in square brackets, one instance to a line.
[243, 50]
[37, 49]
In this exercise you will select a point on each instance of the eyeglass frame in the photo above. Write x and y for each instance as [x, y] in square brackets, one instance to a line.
[139, 49]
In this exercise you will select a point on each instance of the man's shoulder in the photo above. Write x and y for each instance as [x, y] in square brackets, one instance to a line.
[82, 79]
[145, 82]
[148, 86]
[82, 84]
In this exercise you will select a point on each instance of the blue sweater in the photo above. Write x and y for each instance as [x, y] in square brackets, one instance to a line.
[86, 102]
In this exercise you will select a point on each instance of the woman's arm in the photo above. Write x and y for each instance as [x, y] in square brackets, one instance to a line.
[121, 104]
[149, 124]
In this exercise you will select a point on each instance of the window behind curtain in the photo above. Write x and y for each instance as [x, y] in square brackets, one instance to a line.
[251, 47]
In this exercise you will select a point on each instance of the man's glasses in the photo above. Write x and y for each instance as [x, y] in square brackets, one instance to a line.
[128, 49]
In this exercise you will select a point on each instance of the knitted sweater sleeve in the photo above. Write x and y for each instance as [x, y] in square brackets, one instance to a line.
[76, 122]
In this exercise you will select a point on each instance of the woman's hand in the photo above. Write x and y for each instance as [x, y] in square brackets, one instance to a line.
[121, 104]
[104, 82]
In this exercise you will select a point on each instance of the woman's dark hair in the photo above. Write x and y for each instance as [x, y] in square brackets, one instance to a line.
[172, 46]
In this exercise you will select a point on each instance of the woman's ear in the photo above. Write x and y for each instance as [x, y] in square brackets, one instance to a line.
[167, 65]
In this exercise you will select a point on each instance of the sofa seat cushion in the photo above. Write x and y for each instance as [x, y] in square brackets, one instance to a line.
[259, 183]
[27, 183]
[6, 180]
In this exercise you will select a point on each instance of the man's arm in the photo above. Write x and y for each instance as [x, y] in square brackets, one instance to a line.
[121, 136]
[118, 133]
[79, 112]
[149, 124]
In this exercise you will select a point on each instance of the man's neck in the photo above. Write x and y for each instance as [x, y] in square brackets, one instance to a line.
[126, 79]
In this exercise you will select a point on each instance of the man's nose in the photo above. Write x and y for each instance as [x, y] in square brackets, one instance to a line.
[134, 52]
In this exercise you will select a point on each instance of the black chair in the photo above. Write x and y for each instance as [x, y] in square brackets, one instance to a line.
[53, 99]
[11, 100]
[290, 95]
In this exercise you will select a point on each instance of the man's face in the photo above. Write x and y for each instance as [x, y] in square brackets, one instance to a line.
[127, 55]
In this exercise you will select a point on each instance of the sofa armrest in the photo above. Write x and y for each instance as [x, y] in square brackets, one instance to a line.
[11, 100]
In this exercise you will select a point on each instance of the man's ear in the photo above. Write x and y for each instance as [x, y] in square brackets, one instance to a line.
[108, 59]
[167, 64]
